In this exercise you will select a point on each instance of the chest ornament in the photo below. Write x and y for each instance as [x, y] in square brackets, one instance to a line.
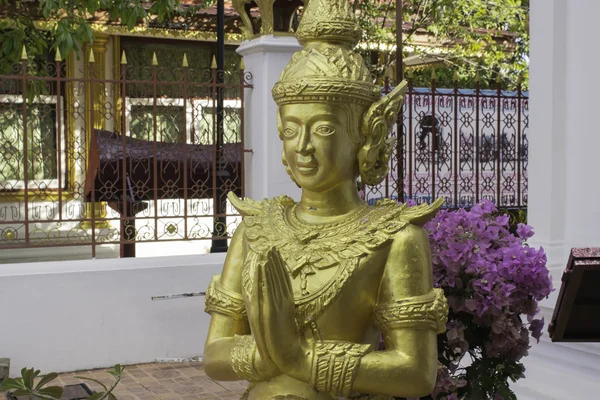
[306, 248]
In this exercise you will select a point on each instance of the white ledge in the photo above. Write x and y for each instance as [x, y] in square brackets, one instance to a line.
[271, 43]
[77, 266]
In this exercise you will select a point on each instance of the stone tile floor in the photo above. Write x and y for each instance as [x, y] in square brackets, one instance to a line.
[159, 381]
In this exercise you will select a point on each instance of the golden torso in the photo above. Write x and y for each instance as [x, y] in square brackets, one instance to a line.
[336, 270]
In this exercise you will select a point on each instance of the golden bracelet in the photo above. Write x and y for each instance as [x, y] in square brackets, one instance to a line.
[335, 365]
[242, 357]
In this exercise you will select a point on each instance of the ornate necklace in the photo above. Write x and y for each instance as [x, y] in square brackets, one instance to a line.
[309, 232]
[350, 217]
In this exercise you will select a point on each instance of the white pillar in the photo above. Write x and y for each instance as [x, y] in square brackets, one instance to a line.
[563, 188]
[265, 57]
[564, 136]
[547, 173]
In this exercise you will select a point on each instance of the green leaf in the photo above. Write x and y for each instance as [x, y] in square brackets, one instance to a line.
[52, 391]
[29, 375]
[8, 46]
[21, 392]
[10, 383]
[45, 379]
[89, 32]
[117, 370]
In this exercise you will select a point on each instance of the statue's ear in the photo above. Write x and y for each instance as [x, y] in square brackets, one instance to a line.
[377, 124]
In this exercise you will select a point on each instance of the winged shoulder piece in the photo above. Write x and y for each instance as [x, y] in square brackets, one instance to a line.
[421, 214]
[245, 207]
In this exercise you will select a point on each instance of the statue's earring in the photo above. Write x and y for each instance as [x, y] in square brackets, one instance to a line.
[287, 168]
[378, 120]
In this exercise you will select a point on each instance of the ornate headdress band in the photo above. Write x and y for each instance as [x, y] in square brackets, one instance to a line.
[327, 68]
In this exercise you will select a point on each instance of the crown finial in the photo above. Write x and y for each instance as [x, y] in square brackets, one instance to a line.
[329, 21]
[327, 67]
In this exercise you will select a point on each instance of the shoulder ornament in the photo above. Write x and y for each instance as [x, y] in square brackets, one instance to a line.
[426, 311]
[224, 301]
[421, 214]
[249, 207]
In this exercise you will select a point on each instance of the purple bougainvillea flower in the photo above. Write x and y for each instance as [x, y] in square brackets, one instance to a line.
[524, 231]
[491, 279]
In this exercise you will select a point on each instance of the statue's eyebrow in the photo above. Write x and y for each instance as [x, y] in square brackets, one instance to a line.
[292, 119]
[324, 116]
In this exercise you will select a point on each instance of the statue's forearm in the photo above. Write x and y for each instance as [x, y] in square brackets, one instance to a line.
[394, 373]
[217, 360]
[236, 358]
[407, 369]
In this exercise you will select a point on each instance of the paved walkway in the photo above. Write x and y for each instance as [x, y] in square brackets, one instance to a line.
[160, 381]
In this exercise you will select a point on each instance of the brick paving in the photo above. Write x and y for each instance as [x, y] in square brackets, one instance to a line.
[159, 381]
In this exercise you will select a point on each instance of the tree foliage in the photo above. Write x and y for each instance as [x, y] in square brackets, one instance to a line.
[469, 37]
[485, 37]
[70, 23]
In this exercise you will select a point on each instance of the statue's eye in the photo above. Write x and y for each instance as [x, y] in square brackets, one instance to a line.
[289, 132]
[324, 130]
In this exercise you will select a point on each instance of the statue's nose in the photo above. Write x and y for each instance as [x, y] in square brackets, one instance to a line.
[304, 145]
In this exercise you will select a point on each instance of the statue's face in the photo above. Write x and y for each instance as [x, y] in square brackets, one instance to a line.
[317, 146]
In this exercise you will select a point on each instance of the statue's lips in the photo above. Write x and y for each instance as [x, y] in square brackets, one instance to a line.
[306, 168]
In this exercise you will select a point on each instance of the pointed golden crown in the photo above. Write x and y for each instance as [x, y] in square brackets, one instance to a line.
[327, 68]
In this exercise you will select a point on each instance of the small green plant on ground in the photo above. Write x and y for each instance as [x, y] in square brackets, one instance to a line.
[26, 385]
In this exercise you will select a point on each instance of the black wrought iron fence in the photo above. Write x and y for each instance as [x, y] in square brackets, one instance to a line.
[460, 144]
[93, 157]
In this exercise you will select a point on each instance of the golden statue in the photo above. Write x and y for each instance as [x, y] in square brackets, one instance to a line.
[309, 288]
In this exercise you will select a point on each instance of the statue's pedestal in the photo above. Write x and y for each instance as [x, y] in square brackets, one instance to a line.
[265, 57]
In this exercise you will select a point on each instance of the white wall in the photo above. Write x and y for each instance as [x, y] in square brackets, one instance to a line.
[65, 316]
[563, 187]
[72, 315]
[565, 136]
[583, 129]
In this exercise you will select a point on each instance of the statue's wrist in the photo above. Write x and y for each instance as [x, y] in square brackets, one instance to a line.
[334, 365]
[244, 359]
[263, 367]
[305, 363]
[300, 367]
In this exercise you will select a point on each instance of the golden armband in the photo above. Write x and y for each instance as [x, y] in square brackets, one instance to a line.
[335, 365]
[429, 311]
[242, 355]
[224, 301]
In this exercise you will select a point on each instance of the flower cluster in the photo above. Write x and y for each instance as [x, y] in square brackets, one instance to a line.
[493, 282]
